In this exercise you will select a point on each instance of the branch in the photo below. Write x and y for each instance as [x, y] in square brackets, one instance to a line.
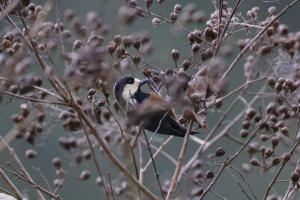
[288, 6]
[179, 162]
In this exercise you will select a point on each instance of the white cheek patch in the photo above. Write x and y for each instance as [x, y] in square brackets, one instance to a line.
[128, 91]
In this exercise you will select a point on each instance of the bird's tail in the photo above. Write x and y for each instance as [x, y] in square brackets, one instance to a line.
[192, 137]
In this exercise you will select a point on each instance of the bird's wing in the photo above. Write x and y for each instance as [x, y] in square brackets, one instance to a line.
[157, 99]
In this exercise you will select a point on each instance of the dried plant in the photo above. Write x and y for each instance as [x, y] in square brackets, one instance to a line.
[236, 81]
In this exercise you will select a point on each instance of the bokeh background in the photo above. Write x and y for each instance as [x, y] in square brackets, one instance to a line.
[164, 39]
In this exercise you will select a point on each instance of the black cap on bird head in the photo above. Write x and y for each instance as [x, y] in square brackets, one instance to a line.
[126, 88]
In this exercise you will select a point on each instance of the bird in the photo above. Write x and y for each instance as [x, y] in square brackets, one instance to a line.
[158, 116]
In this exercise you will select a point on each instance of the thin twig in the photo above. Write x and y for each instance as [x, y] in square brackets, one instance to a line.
[179, 162]
[239, 184]
[227, 162]
[157, 152]
[287, 7]
[281, 167]
[32, 99]
[94, 158]
[11, 185]
[220, 38]
[18, 161]
[39, 188]
[248, 185]
[154, 165]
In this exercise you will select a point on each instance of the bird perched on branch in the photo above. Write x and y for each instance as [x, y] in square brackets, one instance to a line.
[155, 113]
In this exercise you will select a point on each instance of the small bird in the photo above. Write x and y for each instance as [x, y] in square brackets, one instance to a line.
[158, 116]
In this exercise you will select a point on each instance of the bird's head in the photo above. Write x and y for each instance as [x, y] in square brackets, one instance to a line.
[127, 88]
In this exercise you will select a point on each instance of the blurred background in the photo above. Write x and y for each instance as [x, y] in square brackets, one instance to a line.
[163, 39]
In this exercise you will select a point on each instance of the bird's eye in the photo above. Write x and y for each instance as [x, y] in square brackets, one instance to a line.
[130, 80]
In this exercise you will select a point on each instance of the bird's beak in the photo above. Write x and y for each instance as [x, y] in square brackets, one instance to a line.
[143, 82]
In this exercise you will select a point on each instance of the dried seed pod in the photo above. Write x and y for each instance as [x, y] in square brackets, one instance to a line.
[276, 161]
[286, 157]
[175, 55]
[275, 141]
[257, 118]
[271, 81]
[284, 131]
[197, 163]
[186, 64]
[99, 181]
[148, 3]
[127, 41]
[250, 113]
[295, 177]
[209, 174]
[30, 153]
[255, 162]
[177, 8]
[87, 154]
[117, 39]
[24, 109]
[16, 118]
[264, 137]
[244, 133]
[78, 158]
[57, 162]
[268, 153]
[173, 17]
[84, 175]
[197, 191]
[136, 60]
[246, 124]
[136, 44]
[196, 48]
[100, 103]
[156, 22]
[91, 92]
[64, 143]
[198, 174]
[220, 152]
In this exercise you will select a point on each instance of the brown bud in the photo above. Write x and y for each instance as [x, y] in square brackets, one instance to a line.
[276, 161]
[136, 44]
[57, 162]
[209, 174]
[246, 124]
[177, 8]
[295, 177]
[173, 17]
[175, 54]
[24, 109]
[244, 133]
[195, 48]
[255, 162]
[284, 131]
[136, 59]
[268, 152]
[197, 191]
[186, 64]
[30, 153]
[84, 175]
[286, 157]
[100, 103]
[91, 92]
[275, 141]
[250, 113]
[99, 181]
[127, 41]
[220, 152]
[271, 81]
